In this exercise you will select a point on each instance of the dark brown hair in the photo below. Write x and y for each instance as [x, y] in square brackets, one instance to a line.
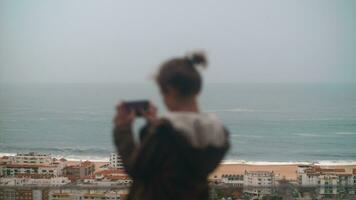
[181, 74]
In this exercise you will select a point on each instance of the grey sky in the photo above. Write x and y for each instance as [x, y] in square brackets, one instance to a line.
[125, 41]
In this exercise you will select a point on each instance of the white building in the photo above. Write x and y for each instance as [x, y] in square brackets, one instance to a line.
[12, 170]
[31, 158]
[116, 161]
[108, 178]
[233, 179]
[328, 184]
[37, 194]
[28, 181]
[305, 177]
[58, 181]
[329, 180]
[259, 178]
[4, 160]
[15, 169]
[96, 194]
[31, 163]
[259, 183]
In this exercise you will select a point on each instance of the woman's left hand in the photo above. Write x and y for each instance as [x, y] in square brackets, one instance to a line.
[151, 114]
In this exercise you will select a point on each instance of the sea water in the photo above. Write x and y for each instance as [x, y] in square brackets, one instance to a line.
[268, 122]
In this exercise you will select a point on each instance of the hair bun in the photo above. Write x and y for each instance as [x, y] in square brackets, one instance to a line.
[197, 58]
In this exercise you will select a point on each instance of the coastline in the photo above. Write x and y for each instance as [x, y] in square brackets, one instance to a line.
[285, 171]
[282, 170]
[288, 172]
[105, 159]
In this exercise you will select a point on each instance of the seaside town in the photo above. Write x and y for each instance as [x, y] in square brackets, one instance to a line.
[33, 175]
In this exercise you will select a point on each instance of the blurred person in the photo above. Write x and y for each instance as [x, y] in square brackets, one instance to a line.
[178, 150]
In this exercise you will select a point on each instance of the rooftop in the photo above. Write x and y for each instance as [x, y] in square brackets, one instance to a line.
[86, 163]
[30, 166]
[34, 176]
[111, 172]
[61, 194]
[317, 170]
[32, 154]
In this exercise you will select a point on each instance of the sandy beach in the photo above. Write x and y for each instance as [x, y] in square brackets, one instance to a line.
[287, 171]
[284, 171]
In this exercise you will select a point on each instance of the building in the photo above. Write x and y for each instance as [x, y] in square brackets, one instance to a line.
[31, 163]
[116, 161]
[31, 158]
[328, 184]
[83, 169]
[38, 180]
[4, 160]
[7, 194]
[11, 170]
[108, 177]
[40, 194]
[23, 194]
[96, 194]
[329, 180]
[233, 179]
[60, 196]
[305, 177]
[101, 195]
[259, 183]
[259, 178]
[63, 194]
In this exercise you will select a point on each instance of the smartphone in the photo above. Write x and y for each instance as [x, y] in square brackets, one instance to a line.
[139, 107]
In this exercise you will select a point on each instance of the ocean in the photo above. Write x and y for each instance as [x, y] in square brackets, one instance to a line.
[268, 122]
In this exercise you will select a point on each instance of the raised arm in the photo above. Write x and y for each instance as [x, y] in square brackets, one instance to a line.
[144, 159]
[125, 145]
[123, 135]
[136, 157]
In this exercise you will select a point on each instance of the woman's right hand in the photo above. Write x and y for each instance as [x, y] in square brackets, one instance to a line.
[123, 116]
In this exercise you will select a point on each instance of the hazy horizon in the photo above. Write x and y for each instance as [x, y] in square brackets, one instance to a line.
[119, 41]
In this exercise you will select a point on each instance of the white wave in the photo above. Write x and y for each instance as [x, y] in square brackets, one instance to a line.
[306, 134]
[15, 129]
[7, 154]
[316, 119]
[248, 136]
[335, 162]
[76, 119]
[238, 110]
[8, 120]
[345, 133]
[265, 162]
[319, 163]
[71, 157]
[83, 158]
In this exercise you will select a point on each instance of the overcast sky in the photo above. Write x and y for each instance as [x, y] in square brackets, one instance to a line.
[125, 41]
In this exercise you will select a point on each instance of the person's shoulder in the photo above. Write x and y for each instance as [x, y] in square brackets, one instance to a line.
[160, 127]
[161, 124]
[200, 129]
